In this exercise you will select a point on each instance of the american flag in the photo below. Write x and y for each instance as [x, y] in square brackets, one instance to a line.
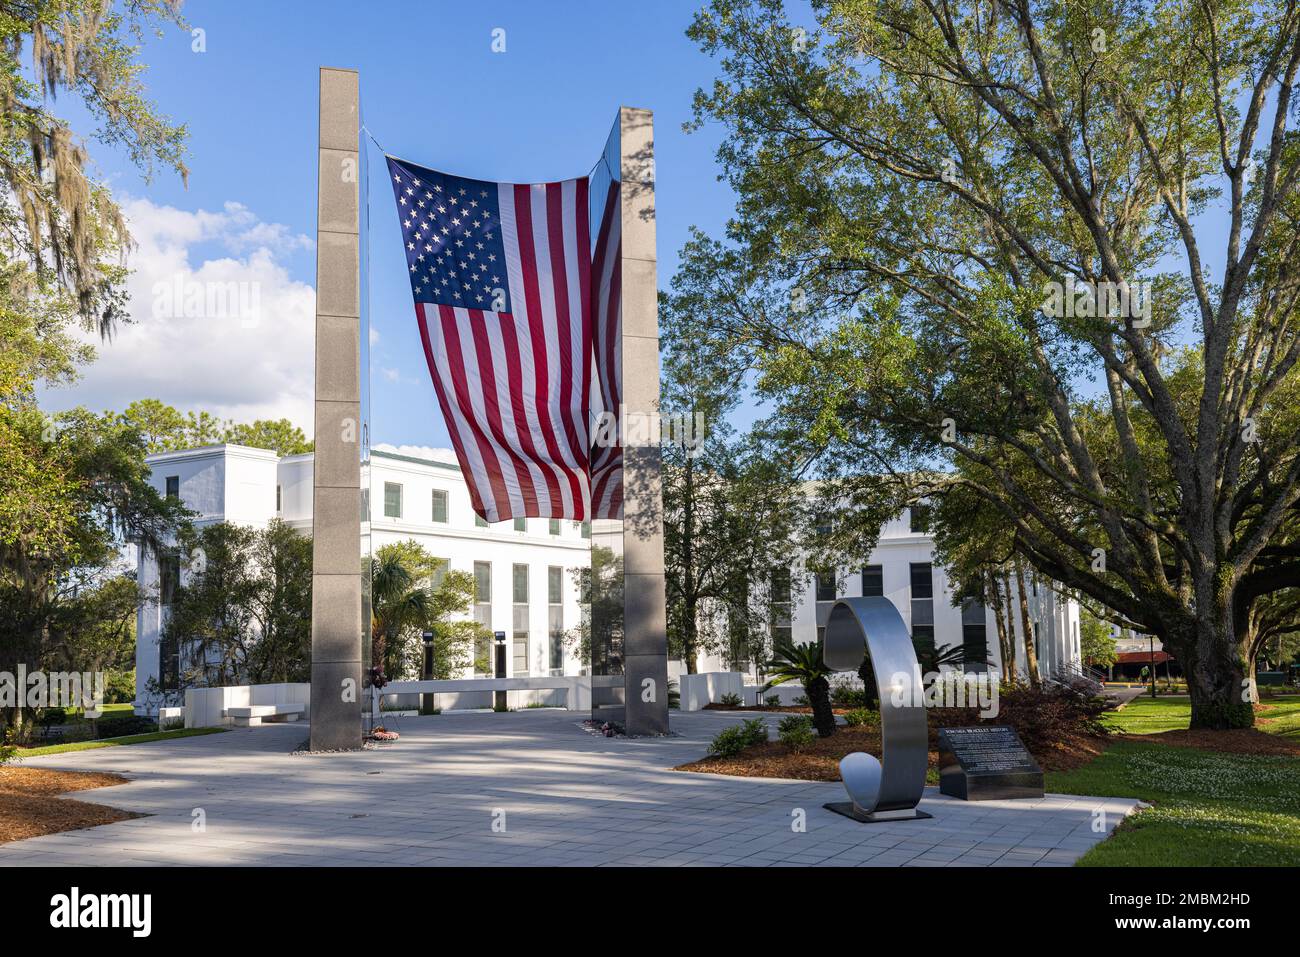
[501, 277]
[607, 461]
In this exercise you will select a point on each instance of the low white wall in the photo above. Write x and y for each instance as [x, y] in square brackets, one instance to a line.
[206, 707]
[708, 688]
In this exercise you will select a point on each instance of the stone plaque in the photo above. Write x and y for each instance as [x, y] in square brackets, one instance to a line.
[986, 764]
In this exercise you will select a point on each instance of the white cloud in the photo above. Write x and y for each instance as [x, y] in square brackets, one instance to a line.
[224, 329]
[431, 453]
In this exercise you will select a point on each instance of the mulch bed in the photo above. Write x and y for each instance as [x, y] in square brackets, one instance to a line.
[821, 760]
[29, 806]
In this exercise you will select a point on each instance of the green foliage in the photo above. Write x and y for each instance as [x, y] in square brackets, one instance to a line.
[730, 512]
[861, 716]
[730, 700]
[243, 616]
[74, 488]
[1096, 644]
[796, 732]
[166, 429]
[914, 182]
[844, 696]
[735, 738]
[413, 592]
[804, 664]
[7, 749]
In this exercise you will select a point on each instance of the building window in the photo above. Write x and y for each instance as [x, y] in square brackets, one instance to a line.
[521, 525]
[519, 637]
[922, 579]
[439, 572]
[554, 526]
[919, 518]
[169, 658]
[586, 529]
[173, 486]
[277, 498]
[974, 635]
[873, 581]
[825, 587]
[782, 608]
[392, 500]
[555, 618]
[440, 506]
[480, 521]
[483, 616]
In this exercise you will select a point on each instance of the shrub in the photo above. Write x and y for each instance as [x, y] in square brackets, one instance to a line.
[730, 700]
[1045, 718]
[801, 701]
[119, 687]
[796, 732]
[732, 740]
[772, 701]
[7, 749]
[117, 725]
[843, 696]
[861, 716]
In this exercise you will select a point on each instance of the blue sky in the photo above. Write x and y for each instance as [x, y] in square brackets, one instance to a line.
[432, 91]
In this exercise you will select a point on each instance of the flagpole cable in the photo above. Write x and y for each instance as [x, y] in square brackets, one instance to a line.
[366, 130]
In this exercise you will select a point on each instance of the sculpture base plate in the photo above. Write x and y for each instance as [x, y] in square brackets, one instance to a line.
[850, 810]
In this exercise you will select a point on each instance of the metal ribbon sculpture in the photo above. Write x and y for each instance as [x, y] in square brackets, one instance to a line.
[890, 789]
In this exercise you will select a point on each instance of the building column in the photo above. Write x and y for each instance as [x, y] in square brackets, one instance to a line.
[336, 626]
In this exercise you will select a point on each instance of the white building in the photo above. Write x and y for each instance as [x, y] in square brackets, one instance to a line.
[526, 569]
[902, 569]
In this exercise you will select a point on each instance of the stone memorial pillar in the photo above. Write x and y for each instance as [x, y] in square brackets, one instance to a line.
[629, 638]
[336, 619]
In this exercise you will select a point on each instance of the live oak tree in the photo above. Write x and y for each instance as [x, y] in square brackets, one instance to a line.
[1042, 253]
[71, 487]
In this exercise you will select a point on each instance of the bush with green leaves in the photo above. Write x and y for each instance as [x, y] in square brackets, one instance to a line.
[860, 716]
[730, 700]
[845, 696]
[732, 740]
[119, 686]
[772, 701]
[796, 732]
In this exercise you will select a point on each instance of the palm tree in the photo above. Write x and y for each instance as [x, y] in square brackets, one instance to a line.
[396, 601]
[803, 663]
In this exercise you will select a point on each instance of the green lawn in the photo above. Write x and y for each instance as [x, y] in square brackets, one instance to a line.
[74, 711]
[115, 742]
[1210, 808]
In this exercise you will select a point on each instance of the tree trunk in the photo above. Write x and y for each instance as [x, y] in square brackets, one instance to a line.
[1218, 674]
[868, 675]
[1031, 653]
[819, 696]
[1006, 652]
[690, 633]
[1008, 623]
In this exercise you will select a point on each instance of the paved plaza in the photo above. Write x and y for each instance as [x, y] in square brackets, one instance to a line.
[523, 788]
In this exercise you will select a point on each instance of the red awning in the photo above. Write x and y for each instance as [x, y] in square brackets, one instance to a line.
[1142, 657]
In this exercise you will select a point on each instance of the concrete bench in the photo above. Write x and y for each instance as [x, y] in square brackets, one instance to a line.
[251, 715]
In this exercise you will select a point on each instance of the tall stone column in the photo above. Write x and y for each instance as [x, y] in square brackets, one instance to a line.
[628, 607]
[336, 626]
